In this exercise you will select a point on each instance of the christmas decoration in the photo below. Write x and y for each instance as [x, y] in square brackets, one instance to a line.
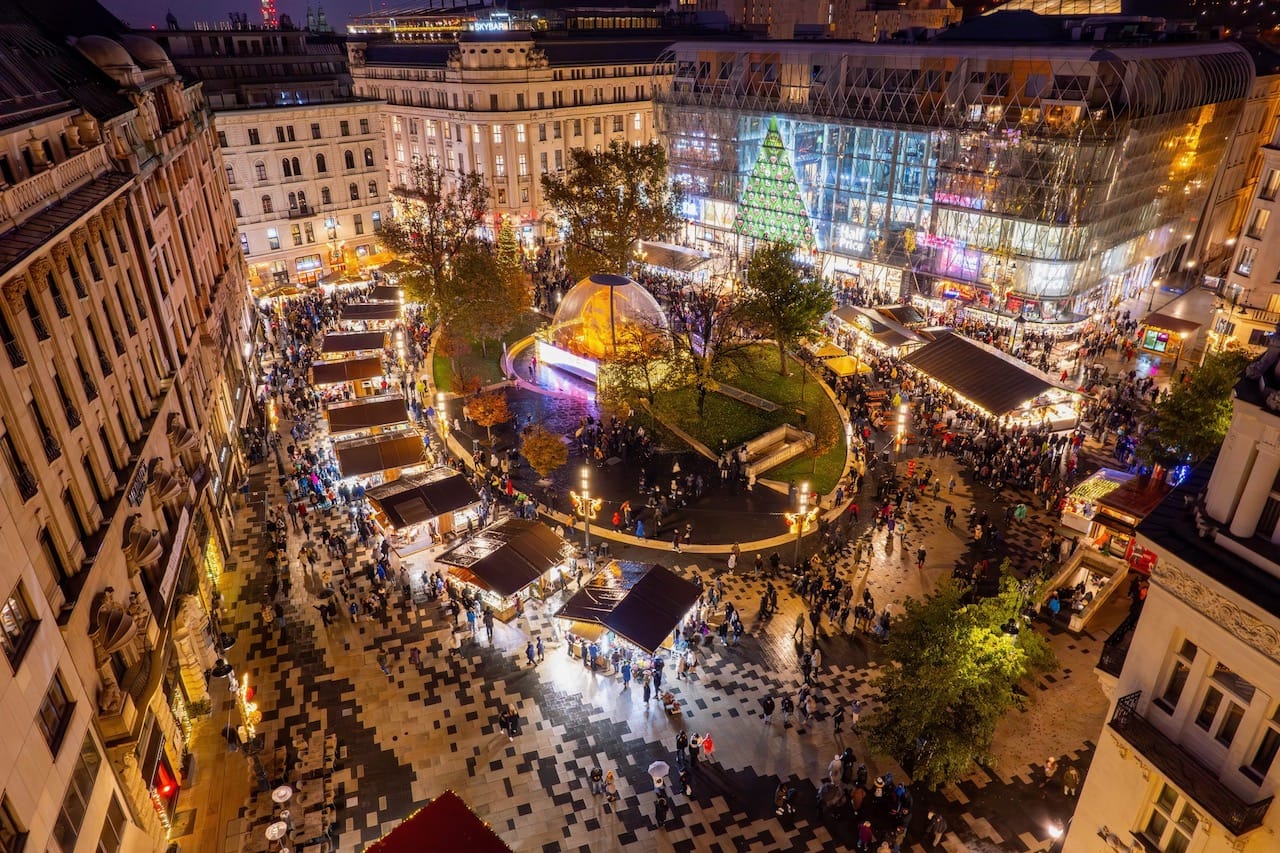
[444, 824]
[771, 208]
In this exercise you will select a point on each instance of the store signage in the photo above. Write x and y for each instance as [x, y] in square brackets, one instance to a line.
[170, 577]
[138, 485]
[960, 201]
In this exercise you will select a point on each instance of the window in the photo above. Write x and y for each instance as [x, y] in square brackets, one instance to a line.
[542, 100]
[1248, 255]
[1172, 822]
[520, 133]
[295, 231]
[377, 221]
[112, 836]
[17, 624]
[595, 125]
[353, 191]
[321, 165]
[326, 197]
[297, 167]
[1270, 185]
[344, 127]
[273, 238]
[497, 134]
[364, 125]
[37, 319]
[522, 166]
[555, 130]
[12, 836]
[315, 130]
[222, 139]
[502, 195]
[1173, 688]
[253, 136]
[1265, 754]
[309, 230]
[289, 132]
[231, 174]
[475, 134]
[542, 132]
[359, 223]
[244, 243]
[559, 160]
[499, 166]
[431, 129]
[637, 121]
[286, 168]
[542, 162]
[368, 154]
[55, 713]
[76, 801]
[373, 189]
[577, 127]
[349, 159]
[266, 204]
[279, 134]
[260, 170]
[617, 124]
[235, 208]
[1258, 225]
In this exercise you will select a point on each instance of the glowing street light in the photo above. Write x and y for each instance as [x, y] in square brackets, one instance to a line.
[801, 518]
[585, 505]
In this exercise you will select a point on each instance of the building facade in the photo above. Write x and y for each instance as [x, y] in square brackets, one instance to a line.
[510, 106]
[124, 321]
[1188, 759]
[1048, 179]
[304, 157]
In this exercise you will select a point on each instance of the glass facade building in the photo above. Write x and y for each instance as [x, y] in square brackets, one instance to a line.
[1044, 179]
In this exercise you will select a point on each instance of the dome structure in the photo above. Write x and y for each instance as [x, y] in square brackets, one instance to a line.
[111, 57]
[146, 52]
[597, 312]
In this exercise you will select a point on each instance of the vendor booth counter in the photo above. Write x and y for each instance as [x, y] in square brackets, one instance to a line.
[631, 606]
[507, 563]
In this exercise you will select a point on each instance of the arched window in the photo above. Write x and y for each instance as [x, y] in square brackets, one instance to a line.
[320, 164]
[302, 200]
[373, 189]
[260, 170]
[368, 156]
[231, 174]
[354, 191]
[235, 206]
[350, 159]
[326, 197]
[297, 168]
[293, 201]
[266, 204]
[286, 168]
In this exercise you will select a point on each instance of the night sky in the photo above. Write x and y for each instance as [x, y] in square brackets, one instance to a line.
[146, 13]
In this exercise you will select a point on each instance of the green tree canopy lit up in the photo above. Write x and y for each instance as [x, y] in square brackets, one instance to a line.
[1187, 424]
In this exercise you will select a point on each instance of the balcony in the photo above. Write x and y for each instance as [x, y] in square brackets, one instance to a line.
[1197, 781]
[302, 211]
[25, 198]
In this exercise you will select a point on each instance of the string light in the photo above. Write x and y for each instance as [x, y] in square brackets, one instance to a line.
[771, 207]
[162, 811]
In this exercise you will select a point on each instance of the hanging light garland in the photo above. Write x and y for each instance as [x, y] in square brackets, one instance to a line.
[162, 811]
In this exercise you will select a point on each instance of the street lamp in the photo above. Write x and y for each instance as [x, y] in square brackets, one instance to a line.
[801, 518]
[586, 506]
[440, 413]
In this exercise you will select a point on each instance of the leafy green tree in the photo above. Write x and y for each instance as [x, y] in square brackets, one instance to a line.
[440, 216]
[483, 299]
[706, 334]
[611, 199]
[640, 367]
[954, 676]
[781, 302]
[1187, 424]
[543, 449]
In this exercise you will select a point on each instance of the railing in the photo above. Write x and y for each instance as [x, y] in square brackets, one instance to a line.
[52, 450]
[73, 415]
[22, 200]
[1116, 647]
[17, 358]
[302, 211]
[27, 485]
[1196, 780]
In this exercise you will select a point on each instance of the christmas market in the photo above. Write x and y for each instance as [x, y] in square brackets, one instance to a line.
[635, 606]
[430, 505]
[402, 450]
[507, 563]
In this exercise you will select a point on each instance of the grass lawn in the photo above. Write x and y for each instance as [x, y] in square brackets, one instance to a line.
[726, 418]
[487, 368]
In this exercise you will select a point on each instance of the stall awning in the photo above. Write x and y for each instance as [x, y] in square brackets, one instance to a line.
[906, 315]
[846, 365]
[829, 350]
[509, 556]
[360, 456]
[386, 293]
[357, 311]
[367, 413]
[653, 608]
[1177, 325]
[989, 378]
[353, 341]
[672, 257]
[414, 498]
[395, 267]
[878, 327]
[444, 824]
[597, 599]
[348, 370]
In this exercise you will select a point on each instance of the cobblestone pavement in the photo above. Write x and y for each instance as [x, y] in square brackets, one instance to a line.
[406, 737]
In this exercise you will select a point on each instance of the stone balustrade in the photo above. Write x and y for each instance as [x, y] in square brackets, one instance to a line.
[23, 200]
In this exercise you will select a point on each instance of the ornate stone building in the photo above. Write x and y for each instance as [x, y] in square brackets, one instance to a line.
[124, 323]
[1188, 760]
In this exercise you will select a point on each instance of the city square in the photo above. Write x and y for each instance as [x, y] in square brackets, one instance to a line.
[853, 426]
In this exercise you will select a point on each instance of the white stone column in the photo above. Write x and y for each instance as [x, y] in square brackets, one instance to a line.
[1230, 473]
[1253, 499]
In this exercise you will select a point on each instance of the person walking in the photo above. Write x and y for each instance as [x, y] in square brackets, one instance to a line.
[610, 787]
[1071, 781]
[936, 827]
[626, 674]
[838, 719]
[920, 555]
[660, 809]
[767, 705]
[597, 780]
[799, 629]
[855, 712]
[529, 653]
[695, 747]
[540, 650]
[708, 747]
[787, 707]
[382, 663]
[682, 745]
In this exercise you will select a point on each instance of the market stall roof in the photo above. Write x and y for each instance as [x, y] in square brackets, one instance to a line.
[597, 599]
[653, 608]
[444, 824]
[877, 326]
[347, 370]
[829, 350]
[994, 380]
[356, 311]
[353, 341]
[366, 413]
[359, 456]
[385, 293]
[1170, 323]
[395, 267]
[1136, 497]
[672, 257]
[846, 365]
[906, 315]
[414, 498]
[507, 557]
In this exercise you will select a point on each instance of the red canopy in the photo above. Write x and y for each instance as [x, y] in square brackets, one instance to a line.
[444, 824]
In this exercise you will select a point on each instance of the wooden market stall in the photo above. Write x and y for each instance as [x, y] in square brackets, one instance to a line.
[362, 372]
[427, 505]
[637, 605]
[367, 414]
[336, 343]
[379, 315]
[444, 825]
[379, 454]
[515, 558]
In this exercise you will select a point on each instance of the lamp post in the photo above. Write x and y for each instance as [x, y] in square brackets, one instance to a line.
[440, 413]
[801, 518]
[586, 505]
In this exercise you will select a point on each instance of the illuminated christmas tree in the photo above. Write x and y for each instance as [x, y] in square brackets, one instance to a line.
[771, 208]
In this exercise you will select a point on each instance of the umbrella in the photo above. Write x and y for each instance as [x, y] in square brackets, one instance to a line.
[659, 770]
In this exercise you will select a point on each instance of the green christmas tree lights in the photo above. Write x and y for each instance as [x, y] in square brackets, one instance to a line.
[771, 208]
